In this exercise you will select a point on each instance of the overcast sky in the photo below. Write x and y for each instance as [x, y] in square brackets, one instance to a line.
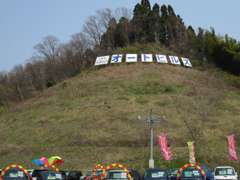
[23, 23]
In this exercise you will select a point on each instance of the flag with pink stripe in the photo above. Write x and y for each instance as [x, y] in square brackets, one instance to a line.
[165, 149]
[232, 149]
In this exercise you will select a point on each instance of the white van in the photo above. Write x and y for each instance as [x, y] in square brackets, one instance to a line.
[225, 172]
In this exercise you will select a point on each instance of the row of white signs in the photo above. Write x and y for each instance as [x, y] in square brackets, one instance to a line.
[131, 58]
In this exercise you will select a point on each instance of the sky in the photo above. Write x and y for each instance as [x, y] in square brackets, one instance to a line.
[24, 23]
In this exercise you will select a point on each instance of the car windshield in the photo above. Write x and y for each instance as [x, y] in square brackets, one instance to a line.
[15, 174]
[99, 172]
[89, 173]
[173, 172]
[50, 175]
[191, 173]
[156, 174]
[224, 172]
[117, 175]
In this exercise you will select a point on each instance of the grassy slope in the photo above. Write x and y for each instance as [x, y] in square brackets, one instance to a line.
[93, 117]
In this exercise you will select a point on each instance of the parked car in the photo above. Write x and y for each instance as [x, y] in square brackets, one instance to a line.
[64, 175]
[225, 172]
[116, 175]
[135, 174]
[208, 171]
[45, 174]
[30, 171]
[191, 174]
[15, 174]
[74, 175]
[172, 174]
[88, 175]
[98, 174]
[155, 174]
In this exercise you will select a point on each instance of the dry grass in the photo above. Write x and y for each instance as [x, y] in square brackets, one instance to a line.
[93, 117]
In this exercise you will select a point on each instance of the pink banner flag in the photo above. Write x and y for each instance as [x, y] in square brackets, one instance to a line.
[232, 149]
[165, 149]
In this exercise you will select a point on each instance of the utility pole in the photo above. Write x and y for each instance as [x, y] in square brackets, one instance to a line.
[151, 120]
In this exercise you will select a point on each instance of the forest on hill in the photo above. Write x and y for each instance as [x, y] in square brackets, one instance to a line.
[106, 32]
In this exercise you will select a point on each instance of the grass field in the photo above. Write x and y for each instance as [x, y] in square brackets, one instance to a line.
[94, 117]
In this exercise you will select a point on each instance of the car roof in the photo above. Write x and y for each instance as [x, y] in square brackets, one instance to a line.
[224, 167]
[155, 169]
[173, 169]
[44, 170]
[116, 170]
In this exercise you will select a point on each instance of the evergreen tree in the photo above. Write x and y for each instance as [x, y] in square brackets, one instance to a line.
[121, 33]
[154, 24]
[170, 11]
[140, 20]
[163, 33]
[146, 4]
[164, 11]
[156, 10]
[108, 41]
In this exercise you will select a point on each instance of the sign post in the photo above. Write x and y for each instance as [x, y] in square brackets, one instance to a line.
[151, 121]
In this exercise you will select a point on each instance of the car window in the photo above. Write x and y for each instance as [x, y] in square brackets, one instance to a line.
[224, 172]
[99, 172]
[49, 175]
[158, 174]
[191, 173]
[89, 173]
[15, 174]
[118, 175]
[173, 172]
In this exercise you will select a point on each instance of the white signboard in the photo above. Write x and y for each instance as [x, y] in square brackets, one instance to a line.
[161, 58]
[147, 57]
[103, 60]
[131, 58]
[116, 58]
[174, 60]
[186, 62]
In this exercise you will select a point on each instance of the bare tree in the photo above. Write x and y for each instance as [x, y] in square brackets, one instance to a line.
[94, 29]
[35, 70]
[104, 16]
[72, 55]
[79, 43]
[48, 48]
[96, 25]
[3, 88]
[123, 12]
[20, 83]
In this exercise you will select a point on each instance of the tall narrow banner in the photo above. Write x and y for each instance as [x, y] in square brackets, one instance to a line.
[232, 148]
[191, 148]
[165, 149]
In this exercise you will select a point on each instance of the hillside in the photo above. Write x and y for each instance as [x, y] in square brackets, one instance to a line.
[93, 117]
